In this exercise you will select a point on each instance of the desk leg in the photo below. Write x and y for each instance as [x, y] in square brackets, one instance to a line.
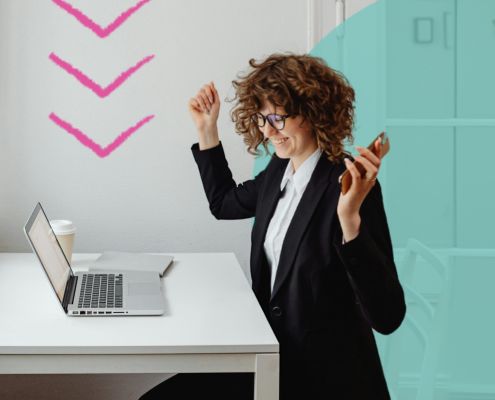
[266, 377]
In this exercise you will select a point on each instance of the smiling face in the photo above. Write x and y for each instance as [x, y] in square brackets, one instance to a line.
[295, 141]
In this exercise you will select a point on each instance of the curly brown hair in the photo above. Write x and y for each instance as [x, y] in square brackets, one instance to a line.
[304, 85]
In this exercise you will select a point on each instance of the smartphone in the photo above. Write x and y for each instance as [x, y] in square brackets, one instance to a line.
[345, 179]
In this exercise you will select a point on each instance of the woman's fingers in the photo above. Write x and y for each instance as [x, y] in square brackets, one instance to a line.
[352, 169]
[193, 103]
[369, 155]
[205, 95]
[206, 98]
[369, 160]
[210, 93]
[201, 100]
[371, 169]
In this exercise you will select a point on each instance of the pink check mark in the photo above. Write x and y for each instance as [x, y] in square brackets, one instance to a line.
[99, 90]
[95, 147]
[90, 24]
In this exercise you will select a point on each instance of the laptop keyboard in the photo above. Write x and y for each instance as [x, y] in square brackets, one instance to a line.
[101, 291]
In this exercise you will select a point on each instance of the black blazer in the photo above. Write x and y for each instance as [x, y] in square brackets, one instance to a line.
[327, 297]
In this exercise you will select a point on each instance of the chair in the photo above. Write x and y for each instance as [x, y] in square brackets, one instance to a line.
[425, 322]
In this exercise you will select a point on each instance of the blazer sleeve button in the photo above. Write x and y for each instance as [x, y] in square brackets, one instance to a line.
[276, 311]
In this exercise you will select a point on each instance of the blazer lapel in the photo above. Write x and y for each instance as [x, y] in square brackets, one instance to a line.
[259, 265]
[318, 183]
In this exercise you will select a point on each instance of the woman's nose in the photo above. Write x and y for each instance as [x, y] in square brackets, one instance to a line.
[269, 130]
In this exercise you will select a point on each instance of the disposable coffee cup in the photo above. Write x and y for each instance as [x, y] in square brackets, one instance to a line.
[65, 232]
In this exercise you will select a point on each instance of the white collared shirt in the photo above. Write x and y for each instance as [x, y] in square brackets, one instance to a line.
[294, 184]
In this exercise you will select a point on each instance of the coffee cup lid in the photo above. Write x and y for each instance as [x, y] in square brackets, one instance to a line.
[62, 227]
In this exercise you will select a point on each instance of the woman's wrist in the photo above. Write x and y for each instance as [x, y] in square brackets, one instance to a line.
[350, 226]
[208, 138]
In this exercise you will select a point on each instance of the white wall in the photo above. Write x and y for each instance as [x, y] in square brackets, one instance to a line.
[146, 195]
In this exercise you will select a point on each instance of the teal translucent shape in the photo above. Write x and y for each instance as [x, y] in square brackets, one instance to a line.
[423, 70]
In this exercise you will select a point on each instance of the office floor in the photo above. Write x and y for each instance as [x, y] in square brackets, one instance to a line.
[77, 387]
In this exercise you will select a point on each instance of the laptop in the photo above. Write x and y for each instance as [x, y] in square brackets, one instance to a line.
[102, 293]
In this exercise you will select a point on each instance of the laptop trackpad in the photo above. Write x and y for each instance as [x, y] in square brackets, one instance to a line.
[141, 289]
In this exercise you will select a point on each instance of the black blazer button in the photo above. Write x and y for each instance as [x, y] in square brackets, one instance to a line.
[276, 311]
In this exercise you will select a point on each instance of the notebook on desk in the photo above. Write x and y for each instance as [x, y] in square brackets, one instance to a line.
[113, 260]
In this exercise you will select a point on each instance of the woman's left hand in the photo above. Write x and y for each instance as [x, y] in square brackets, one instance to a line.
[350, 203]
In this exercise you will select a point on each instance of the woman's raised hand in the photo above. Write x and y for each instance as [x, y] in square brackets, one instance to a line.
[350, 203]
[204, 109]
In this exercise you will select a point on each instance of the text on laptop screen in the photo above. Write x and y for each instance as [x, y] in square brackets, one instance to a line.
[50, 253]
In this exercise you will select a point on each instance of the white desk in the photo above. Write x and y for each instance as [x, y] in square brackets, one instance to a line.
[212, 323]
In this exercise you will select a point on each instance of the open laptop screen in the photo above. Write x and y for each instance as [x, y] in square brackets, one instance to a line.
[46, 246]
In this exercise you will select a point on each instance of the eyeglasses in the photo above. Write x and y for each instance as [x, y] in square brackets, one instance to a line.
[275, 120]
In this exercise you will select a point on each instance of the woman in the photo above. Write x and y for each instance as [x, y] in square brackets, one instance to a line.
[321, 262]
